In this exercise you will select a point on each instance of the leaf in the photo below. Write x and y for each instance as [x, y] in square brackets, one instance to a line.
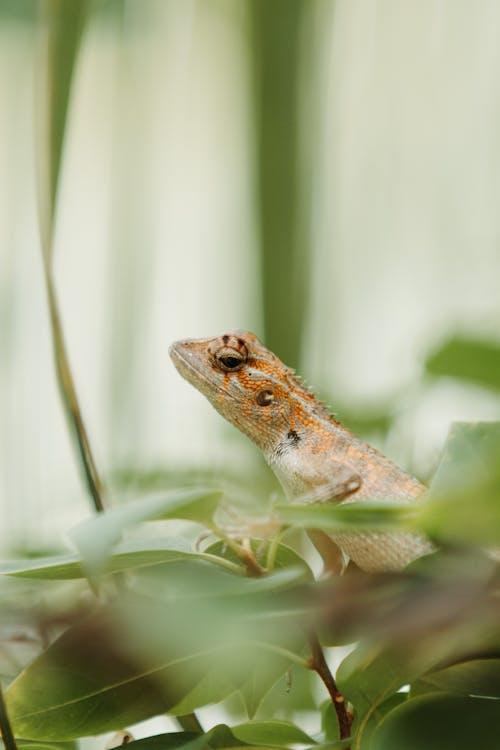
[354, 516]
[188, 638]
[368, 677]
[95, 536]
[63, 24]
[260, 682]
[440, 722]
[171, 741]
[467, 359]
[87, 682]
[128, 555]
[271, 733]
[218, 738]
[30, 745]
[329, 722]
[202, 604]
[296, 691]
[470, 456]
[477, 677]
[464, 501]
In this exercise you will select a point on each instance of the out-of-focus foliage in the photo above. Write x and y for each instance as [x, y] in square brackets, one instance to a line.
[185, 627]
[467, 359]
[163, 608]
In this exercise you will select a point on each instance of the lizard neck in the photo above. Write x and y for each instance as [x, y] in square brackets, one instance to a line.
[309, 454]
[300, 453]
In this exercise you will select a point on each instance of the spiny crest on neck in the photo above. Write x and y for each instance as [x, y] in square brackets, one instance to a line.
[298, 390]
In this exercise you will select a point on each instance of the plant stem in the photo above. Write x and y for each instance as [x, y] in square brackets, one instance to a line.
[5, 727]
[273, 548]
[318, 663]
[70, 398]
[227, 564]
[242, 553]
[59, 44]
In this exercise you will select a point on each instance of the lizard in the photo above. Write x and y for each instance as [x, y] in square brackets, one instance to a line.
[314, 457]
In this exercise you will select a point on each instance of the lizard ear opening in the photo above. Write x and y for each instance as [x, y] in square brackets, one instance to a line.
[264, 398]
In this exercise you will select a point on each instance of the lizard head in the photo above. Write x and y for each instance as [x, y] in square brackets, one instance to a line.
[245, 382]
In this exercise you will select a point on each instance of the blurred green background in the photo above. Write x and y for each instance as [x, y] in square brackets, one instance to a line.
[326, 174]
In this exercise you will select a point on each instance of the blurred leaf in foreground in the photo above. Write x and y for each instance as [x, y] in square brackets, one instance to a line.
[85, 683]
[33, 745]
[183, 637]
[463, 505]
[277, 733]
[467, 359]
[478, 677]
[95, 536]
[221, 737]
[440, 722]
[136, 553]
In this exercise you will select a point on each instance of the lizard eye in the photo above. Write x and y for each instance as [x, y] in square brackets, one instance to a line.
[230, 360]
[264, 398]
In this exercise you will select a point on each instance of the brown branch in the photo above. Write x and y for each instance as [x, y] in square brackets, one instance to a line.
[317, 662]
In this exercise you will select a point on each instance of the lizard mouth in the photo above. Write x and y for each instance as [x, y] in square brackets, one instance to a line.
[187, 363]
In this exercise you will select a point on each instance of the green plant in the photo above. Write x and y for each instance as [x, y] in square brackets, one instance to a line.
[135, 624]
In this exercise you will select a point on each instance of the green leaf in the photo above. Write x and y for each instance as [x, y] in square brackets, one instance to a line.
[34, 745]
[88, 682]
[271, 733]
[128, 555]
[171, 741]
[467, 359]
[464, 501]
[203, 604]
[335, 517]
[440, 722]
[296, 691]
[260, 682]
[190, 637]
[329, 722]
[96, 536]
[477, 677]
[368, 678]
[63, 24]
[220, 737]
[470, 456]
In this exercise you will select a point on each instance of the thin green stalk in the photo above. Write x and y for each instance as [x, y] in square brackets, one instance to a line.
[273, 548]
[227, 564]
[61, 27]
[70, 400]
[5, 727]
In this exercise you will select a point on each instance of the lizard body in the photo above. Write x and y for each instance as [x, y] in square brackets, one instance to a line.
[315, 458]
